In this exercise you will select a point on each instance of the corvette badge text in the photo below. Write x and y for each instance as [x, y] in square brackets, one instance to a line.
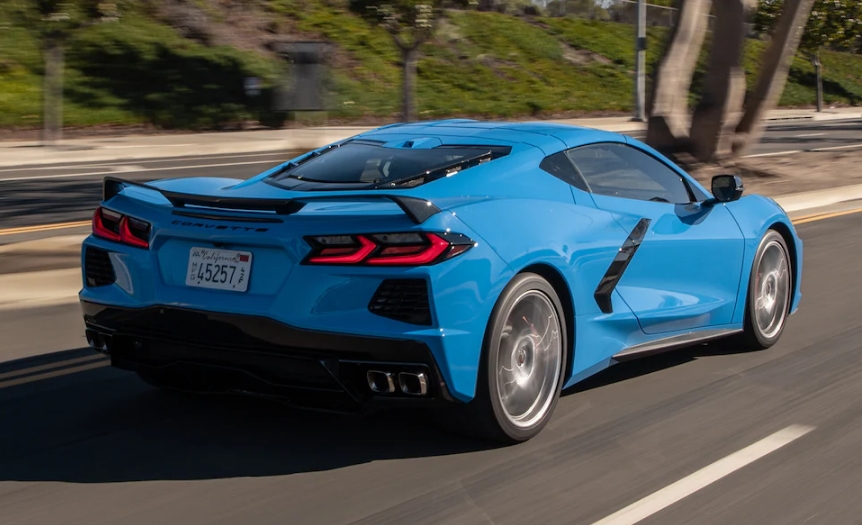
[218, 226]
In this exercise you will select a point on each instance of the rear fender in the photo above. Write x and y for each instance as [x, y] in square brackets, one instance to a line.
[577, 242]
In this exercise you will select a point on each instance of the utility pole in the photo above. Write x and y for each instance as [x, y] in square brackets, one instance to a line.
[815, 60]
[640, 64]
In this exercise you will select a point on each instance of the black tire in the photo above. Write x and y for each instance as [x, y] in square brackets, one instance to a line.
[485, 417]
[754, 337]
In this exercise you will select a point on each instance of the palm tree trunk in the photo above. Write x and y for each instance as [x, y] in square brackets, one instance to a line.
[667, 126]
[773, 72]
[720, 108]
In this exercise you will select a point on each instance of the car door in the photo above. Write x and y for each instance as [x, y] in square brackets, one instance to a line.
[680, 268]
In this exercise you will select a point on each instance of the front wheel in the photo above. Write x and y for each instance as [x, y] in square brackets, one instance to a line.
[769, 293]
[523, 359]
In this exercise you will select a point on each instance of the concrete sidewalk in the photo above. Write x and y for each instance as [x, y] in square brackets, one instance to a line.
[137, 147]
[61, 283]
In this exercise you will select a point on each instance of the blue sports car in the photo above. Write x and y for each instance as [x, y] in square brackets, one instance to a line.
[475, 268]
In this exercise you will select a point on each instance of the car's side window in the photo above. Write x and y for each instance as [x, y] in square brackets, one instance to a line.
[619, 170]
[562, 168]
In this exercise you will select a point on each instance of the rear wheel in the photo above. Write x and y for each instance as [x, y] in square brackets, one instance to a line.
[523, 358]
[769, 293]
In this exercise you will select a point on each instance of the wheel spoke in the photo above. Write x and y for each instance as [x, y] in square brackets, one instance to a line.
[529, 358]
[772, 289]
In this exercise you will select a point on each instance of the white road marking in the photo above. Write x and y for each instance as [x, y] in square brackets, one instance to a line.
[849, 146]
[774, 154]
[669, 495]
[810, 135]
[164, 168]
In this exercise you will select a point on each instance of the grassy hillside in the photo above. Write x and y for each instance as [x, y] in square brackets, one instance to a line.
[148, 68]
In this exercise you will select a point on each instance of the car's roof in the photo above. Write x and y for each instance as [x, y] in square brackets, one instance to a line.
[549, 136]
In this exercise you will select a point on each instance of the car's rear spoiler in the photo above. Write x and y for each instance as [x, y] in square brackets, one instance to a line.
[419, 210]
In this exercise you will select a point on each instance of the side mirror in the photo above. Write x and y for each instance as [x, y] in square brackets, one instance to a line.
[727, 188]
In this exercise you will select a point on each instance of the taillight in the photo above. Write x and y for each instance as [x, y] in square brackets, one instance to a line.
[387, 249]
[117, 227]
[106, 224]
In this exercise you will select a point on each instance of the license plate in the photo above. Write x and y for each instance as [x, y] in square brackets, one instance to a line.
[219, 269]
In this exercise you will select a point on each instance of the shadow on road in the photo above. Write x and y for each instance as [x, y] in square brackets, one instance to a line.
[655, 363]
[105, 425]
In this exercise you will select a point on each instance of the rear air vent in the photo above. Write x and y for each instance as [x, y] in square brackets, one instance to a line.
[403, 300]
[97, 267]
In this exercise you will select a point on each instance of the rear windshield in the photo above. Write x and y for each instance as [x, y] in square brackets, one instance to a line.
[370, 165]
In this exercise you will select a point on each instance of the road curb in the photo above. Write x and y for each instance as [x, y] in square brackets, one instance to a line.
[835, 116]
[797, 203]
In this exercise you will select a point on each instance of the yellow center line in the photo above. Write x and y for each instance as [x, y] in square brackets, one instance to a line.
[44, 227]
[821, 216]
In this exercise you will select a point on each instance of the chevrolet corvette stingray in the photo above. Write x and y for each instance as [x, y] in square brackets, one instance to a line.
[475, 268]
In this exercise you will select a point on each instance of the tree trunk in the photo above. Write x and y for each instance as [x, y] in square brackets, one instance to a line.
[409, 57]
[773, 72]
[720, 108]
[52, 121]
[667, 127]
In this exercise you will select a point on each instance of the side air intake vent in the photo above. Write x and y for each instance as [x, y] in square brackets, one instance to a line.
[97, 267]
[403, 300]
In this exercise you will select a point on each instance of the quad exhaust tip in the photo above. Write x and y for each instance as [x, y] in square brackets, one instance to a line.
[382, 382]
[97, 341]
[412, 384]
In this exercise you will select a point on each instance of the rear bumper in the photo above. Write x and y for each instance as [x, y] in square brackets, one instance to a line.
[260, 356]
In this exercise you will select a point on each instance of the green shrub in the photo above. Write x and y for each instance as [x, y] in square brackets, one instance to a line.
[140, 70]
[151, 72]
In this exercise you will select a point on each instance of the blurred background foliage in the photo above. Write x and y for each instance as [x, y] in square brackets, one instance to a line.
[181, 64]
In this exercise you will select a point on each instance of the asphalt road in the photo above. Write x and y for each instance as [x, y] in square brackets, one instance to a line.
[38, 195]
[87, 444]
